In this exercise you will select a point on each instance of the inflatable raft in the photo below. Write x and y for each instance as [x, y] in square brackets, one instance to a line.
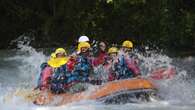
[122, 91]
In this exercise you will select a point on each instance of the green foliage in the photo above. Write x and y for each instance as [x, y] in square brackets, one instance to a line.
[165, 23]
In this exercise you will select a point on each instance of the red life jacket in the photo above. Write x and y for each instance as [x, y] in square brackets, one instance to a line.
[132, 65]
[70, 64]
[45, 77]
[100, 59]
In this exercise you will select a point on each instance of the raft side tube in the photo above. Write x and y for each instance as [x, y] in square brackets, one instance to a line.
[122, 88]
[131, 96]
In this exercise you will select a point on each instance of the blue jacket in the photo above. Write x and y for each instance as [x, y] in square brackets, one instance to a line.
[82, 68]
[121, 69]
[59, 79]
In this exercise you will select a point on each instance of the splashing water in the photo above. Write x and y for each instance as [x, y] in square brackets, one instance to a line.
[152, 60]
[19, 69]
[29, 60]
[178, 90]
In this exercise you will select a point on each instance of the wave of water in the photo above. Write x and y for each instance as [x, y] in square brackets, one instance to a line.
[19, 69]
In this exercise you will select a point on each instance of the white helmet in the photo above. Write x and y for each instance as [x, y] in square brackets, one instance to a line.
[83, 39]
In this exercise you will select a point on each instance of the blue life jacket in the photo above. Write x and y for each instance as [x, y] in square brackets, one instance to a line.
[59, 75]
[62, 78]
[59, 79]
[122, 70]
[82, 69]
[72, 77]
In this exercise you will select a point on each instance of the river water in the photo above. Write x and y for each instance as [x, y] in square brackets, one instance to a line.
[19, 69]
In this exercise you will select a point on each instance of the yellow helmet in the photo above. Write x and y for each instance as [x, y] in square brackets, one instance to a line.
[60, 50]
[53, 55]
[127, 44]
[82, 45]
[112, 50]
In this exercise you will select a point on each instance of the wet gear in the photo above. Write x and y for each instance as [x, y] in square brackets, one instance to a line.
[43, 66]
[45, 76]
[70, 64]
[83, 39]
[83, 45]
[121, 69]
[100, 59]
[60, 50]
[130, 64]
[127, 44]
[57, 62]
[83, 68]
[63, 78]
[53, 55]
[59, 80]
[112, 50]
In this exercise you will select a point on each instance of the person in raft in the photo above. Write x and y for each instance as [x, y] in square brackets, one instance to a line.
[80, 68]
[101, 51]
[116, 68]
[127, 59]
[97, 58]
[50, 69]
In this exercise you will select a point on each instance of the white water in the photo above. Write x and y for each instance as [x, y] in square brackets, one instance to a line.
[19, 69]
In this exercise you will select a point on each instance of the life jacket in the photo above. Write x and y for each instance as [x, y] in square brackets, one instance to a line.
[108, 67]
[100, 59]
[126, 68]
[82, 68]
[45, 76]
[43, 66]
[63, 79]
[110, 72]
[133, 66]
[70, 64]
[121, 69]
[59, 79]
